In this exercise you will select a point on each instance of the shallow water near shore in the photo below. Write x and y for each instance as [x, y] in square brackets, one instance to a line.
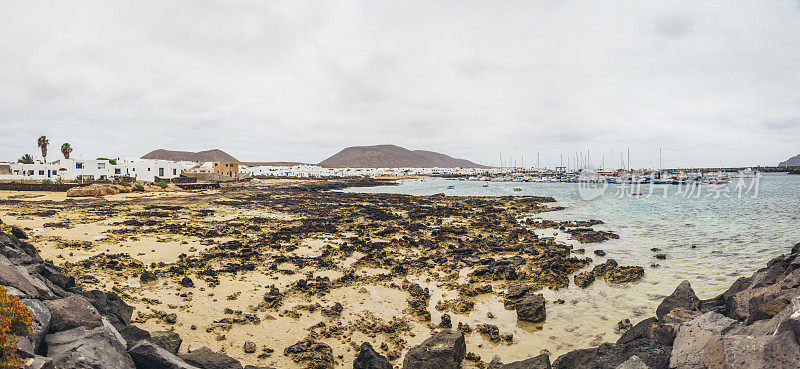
[710, 241]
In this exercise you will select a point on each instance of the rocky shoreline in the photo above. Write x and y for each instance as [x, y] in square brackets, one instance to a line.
[87, 305]
[754, 324]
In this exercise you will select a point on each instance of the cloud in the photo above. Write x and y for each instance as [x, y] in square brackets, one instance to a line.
[707, 82]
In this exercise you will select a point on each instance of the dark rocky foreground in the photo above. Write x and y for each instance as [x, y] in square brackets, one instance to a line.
[400, 239]
[755, 324]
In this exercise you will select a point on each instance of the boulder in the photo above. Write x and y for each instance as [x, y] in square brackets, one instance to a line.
[204, 358]
[18, 233]
[25, 347]
[169, 340]
[615, 274]
[716, 304]
[20, 279]
[584, 279]
[639, 330]
[691, 337]
[624, 274]
[369, 359]
[186, 282]
[515, 294]
[41, 284]
[765, 306]
[788, 320]
[769, 275]
[682, 297]
[538, 362]
[39, 362]
[532, 309]
[740, 352]
[57, 291]
[446, 322]
[727, 296]
[56, 276]
[633, 363]
[114, 332]
[573, 359]
[41, 323]
[80, 347]
[72, 312]
[9, 241]
[19, 251]
[147, 276]
[680, 315]
[109, 305]
[416, 290]
[608, 355]
[739, 303]
[147, 355]
[311, 354]
[518, 291]
[443, 350]
[132, 334]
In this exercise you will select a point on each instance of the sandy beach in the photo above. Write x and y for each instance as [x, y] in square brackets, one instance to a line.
[269, 264]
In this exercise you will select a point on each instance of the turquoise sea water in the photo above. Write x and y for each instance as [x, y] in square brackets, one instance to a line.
[709, 240]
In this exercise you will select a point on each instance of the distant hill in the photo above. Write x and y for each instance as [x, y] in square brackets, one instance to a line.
[272, 163]
[200, 157]
[794, 161]
[392, 156]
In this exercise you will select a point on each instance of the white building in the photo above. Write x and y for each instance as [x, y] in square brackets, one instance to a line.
[304, 171]
[97, 169]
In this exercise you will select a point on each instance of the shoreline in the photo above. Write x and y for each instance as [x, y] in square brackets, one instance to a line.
[315, 258]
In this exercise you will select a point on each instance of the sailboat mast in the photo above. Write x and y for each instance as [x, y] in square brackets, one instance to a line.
[629, 158]
[501, 160]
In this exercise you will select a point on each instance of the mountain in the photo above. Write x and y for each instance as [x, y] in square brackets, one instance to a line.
[272, 163]
[392, 156]
[200, 157]
[794, 161]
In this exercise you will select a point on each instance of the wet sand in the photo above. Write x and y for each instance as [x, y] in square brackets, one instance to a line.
[342, 264]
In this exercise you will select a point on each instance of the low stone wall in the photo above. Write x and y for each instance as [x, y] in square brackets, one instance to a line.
[181, 179]
[48, 187]
[197, 186]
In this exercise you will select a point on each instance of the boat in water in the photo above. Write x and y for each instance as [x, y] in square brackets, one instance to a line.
[719, 180]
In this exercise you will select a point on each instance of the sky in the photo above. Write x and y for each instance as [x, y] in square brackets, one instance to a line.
[706, 83]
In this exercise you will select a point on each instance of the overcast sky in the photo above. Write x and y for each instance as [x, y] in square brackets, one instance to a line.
[710, 83]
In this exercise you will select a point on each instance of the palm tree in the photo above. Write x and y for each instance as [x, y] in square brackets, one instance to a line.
[25, 159]
[42, 143]
[66, 149]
